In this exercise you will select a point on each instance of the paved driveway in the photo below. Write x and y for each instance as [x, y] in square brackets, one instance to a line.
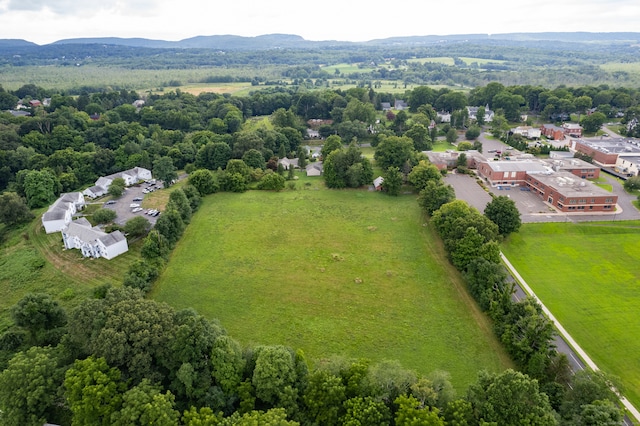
[122, 205]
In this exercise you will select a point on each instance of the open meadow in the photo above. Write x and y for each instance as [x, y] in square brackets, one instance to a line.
[353, 273]
[588, 275]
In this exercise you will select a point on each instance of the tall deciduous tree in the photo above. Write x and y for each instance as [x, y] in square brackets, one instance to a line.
[93, 391]
[204, 181]
[38, 313]
[394, 151]
[510, 398]
[40, 187]
[144, 404]
[28, 387]
[392, 181]
[164, 170]
[116, 188]
[503, 212]
[13, 209]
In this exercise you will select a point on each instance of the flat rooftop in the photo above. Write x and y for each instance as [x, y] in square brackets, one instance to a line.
[570, 185]
[569, 164]
[529, 166]
[625, 146]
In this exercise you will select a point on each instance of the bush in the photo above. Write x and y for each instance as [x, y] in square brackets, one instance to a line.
[104, 216]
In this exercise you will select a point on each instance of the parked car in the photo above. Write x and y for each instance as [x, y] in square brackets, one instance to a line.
[136, 210]
[110, 202]
[137, 199]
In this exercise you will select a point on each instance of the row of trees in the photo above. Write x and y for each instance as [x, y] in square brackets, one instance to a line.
[206, 131]
[471, 241]
[122, 359]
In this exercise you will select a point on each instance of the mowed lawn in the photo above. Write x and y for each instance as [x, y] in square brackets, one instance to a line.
[588, 275]
[352, 273]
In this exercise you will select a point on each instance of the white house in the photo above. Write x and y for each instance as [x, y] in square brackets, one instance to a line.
[444, 116]
[93, 242]
[131, 177]
[61, 212]
[488, 114]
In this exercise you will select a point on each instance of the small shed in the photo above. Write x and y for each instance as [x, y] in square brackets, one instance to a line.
[377, 183]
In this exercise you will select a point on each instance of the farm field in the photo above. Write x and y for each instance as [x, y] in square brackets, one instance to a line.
[352, 273]
[588, 276]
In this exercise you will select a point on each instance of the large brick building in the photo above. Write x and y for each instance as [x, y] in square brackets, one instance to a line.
[571, 194]
[606, 152]
[559, 182]
[511, 173]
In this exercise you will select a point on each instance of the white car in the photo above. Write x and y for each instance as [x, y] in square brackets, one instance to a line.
[134, 205]
[136, 210]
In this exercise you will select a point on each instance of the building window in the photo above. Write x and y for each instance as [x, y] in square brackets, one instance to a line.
[608, 200]
[607, 207]
[572, 201]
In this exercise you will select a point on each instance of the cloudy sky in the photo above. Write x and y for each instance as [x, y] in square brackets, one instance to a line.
[45, 21]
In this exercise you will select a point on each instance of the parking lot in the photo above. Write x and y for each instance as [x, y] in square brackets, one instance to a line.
[531, 207]
[132, 195]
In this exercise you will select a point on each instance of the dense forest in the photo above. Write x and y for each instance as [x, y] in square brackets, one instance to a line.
[120, 358]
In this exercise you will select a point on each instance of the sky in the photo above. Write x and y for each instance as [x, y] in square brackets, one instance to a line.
[45, 21]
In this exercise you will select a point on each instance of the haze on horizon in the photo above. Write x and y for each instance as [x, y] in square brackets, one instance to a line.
[46, 21]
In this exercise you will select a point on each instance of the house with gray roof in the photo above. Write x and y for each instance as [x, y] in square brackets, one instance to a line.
[314, 169]
[61, 211]
[131, 177]
[93, 242]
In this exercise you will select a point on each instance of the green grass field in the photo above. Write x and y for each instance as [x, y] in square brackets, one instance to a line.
[588, 275]
[348, 272]
[32, 261]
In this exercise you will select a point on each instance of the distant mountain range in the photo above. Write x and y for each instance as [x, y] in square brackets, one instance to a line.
[289, 41]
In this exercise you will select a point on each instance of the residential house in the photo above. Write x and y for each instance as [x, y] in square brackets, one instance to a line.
[92, 242]
[553, 132]
[61, 211]
[386, 106]
[377, 183]
[131, 177]
[444, 116]
[288, 162]
[314, 169]
[400, 105]
[473, 113]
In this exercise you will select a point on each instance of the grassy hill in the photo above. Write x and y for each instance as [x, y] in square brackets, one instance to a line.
[353, 273]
